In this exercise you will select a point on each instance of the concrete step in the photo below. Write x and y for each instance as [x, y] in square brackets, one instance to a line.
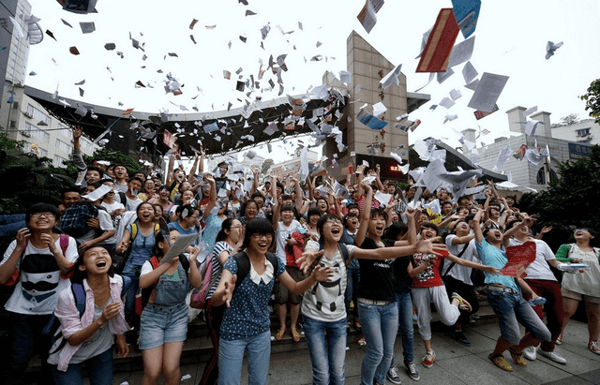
[198, 347]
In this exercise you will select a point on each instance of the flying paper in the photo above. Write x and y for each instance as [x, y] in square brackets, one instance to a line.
[469, 72]
[370, 120]
[481, 114]
[466, 13]
[488, 91]
[367, 15]
[551, 48]
[462, 52]
[391, 78]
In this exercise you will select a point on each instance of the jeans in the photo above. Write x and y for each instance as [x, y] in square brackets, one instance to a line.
[352, 286]
[379, 324]
[231, 356]
[25, 336]
[405, 313]
[130, 297]
[509, 308]
[100, 371]
[327, 347]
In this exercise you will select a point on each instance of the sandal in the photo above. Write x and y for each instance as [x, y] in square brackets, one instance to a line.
[518, 358]
[295, 335]
[500, 362]
[357, 325]
[279, 335]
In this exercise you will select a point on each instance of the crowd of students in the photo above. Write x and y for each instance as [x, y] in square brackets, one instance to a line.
[334, 261]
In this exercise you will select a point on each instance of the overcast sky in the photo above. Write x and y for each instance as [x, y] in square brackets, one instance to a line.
[511, 37]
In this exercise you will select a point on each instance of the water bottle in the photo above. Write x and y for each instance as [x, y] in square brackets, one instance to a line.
[537, 301]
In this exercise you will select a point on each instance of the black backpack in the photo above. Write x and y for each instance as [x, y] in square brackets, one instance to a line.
[243, 263]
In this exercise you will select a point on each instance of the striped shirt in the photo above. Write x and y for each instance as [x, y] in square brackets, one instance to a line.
[216, 266]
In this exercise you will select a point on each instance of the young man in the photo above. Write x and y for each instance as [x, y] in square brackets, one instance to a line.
[121, 178]
[284, 238]
[543, 282]
[134, 186]
[506, 301]
[70, 197]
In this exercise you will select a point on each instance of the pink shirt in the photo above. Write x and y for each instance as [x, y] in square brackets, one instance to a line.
[70, 323]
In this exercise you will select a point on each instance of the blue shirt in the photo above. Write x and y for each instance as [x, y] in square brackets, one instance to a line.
[248, 315]
[493, 256]
[141, 251]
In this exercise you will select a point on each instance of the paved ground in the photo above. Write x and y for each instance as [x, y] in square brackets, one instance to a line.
[455, 364]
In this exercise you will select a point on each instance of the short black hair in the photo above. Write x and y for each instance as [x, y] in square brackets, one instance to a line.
[324, 218]
[92, 168]
[395, 230]
[430, 226]
[258, 226]
[286, 197]
[379, 212]
[313, 211]
[71, 189]
[286, 208]
[349, 216]
[41, 207]
[135, 178]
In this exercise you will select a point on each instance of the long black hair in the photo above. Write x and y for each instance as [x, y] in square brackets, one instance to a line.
[226, 225]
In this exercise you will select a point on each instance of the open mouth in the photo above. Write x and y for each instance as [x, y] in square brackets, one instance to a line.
[335, 231]
[101, 263]
[379, 228]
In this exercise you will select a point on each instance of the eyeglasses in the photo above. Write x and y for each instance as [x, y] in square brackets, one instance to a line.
[259, 236]
[238, 227]
[46, 214]
[576, 230]
[333, 221]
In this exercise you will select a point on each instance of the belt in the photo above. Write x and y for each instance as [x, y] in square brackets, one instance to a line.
[373, 301]
[502, 289]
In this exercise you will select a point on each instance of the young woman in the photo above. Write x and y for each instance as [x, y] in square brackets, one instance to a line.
[249, 211]
[428, 287]
[584, 286]
[323, 305]
[90, 336]
[311, 224]
[163, 200]
[246, 322]
[226, 243]
[141, 251]
[35, 263]
[163, 325]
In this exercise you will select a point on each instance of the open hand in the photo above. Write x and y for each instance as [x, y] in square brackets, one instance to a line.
[229, 287]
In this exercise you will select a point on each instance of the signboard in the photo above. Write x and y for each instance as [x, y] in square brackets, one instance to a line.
[577, 151]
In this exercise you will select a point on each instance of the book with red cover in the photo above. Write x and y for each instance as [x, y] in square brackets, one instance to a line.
[440, 43]
[519, 258]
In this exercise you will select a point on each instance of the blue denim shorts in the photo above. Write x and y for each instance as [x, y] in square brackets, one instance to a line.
[163, 324]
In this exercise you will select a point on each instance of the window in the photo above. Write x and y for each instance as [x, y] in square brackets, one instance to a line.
[583, 132]
[541, 176]
[66, 132]
[38, 115]
[35, 132]
[62, 146]
[42, 151]
[86, 145]
[59, 161]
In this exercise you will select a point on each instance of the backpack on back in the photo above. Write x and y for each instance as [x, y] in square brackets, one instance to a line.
[209, 280]
[120, 262]
[74, 219]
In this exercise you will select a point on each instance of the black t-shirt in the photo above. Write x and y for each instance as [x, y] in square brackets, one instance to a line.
[402, 282]
[376, 276]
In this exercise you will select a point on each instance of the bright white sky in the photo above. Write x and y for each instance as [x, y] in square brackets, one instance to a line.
[511, 37]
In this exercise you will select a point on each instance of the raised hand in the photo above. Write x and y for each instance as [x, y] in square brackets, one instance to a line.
[308, 258]
[229, 287]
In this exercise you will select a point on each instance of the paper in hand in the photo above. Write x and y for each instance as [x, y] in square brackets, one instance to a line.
[180, 244]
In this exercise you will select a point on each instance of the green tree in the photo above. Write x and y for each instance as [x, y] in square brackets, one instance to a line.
[592, 100]
[570, 201]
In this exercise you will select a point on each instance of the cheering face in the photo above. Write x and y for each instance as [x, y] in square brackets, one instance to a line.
[164, 194]
[44, 221]
[462, 228]
[287, 216]
[333, 229]
[149, 186]
[260, 242]
[251, 210]
[494, 235]
[583, 235]
[235, 232]
[146, 212]
[96, 260]
[376, 225]
[120, 172]
[71, 198]
[92, 176]
[428, 233]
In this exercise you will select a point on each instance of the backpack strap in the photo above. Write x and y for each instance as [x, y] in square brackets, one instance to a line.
[134, 231]
[14, 278]
[79, 295]
[344, 252]
[185, 263]
[243, 263]
[126, 284]
[453, 263]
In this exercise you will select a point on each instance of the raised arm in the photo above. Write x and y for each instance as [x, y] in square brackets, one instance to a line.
[193, 170]
[474, 223]
[77, 155]
[365, 215]
[276, 208]
[213, 196]
[298, 189]
[377, 177]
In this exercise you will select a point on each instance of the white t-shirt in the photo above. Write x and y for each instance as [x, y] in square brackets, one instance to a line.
[39, 283]
[110, 207]
[106, 224]
[462, 273]
[132, 204]
[539, 268]
[147, 266]
[282, 233]
[324, 301]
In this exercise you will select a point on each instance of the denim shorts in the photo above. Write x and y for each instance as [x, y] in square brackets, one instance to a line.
[163, 324]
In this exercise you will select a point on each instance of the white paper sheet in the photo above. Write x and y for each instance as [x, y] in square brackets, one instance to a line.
[462, 52]
[391, 78]
[180, 244]
[488, 91]
[469, 72]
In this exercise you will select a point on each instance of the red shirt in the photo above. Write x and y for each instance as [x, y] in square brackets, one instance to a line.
[430, 277]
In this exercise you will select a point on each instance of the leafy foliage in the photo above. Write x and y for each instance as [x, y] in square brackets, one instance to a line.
[592, 100]
[570, 201]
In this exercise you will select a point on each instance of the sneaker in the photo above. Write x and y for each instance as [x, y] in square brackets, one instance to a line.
[428, 359]
[462, 303]
[392, 376]
[530, 353]
[593, 345]
[551, 355]
[411, 369]
[459, 336]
